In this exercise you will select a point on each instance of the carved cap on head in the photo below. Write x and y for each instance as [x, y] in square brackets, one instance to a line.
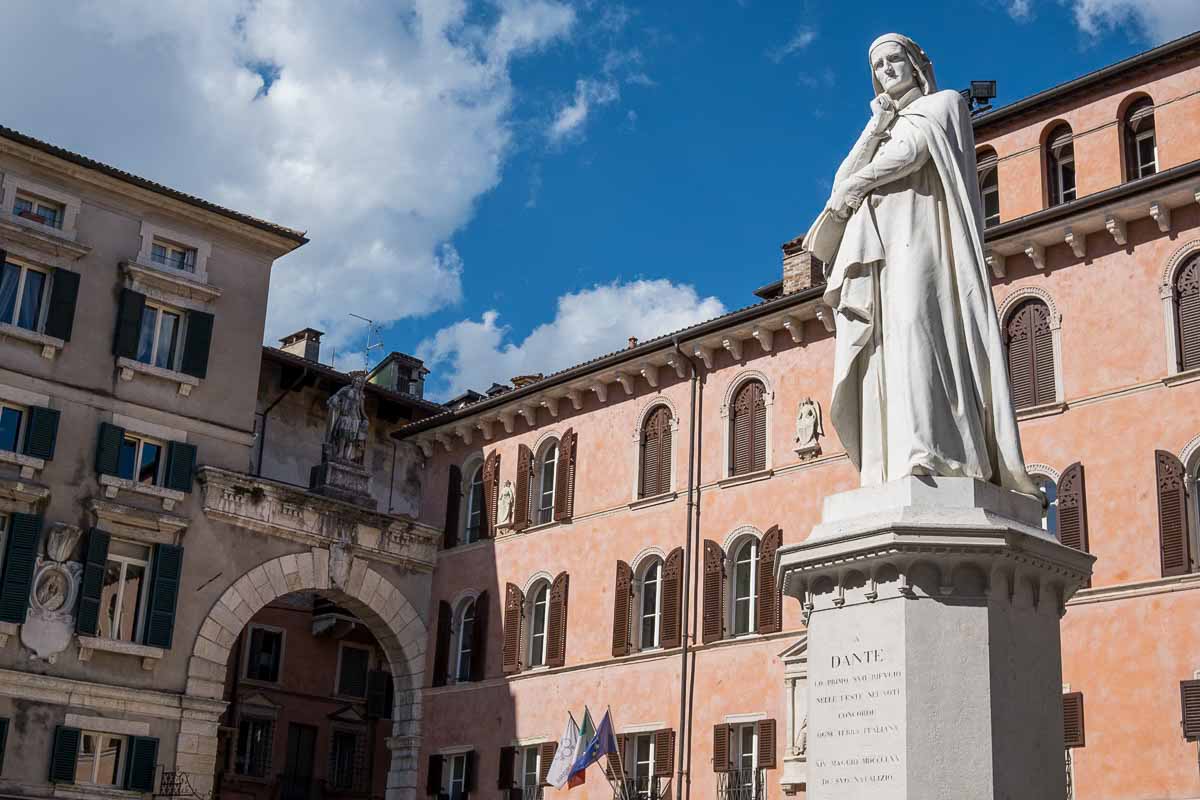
[922, 66]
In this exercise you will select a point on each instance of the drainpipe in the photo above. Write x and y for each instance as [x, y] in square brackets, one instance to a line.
[683, 767]
[262, 432]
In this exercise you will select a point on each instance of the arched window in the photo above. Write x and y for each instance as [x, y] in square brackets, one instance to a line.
[650, 605]
[473, 528]
[1029, 342]
[1187, 313]
[989, 185]
[655, 454]
[748, 429]
[539, 611]
[545, 475]
[745, 586]
[465, 627]
[1049, 490]
[1141, 145]
[1060, 165]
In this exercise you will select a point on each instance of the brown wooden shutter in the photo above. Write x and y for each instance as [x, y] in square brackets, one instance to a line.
[524, 475]
[622, 595]
[479, 638]
[749, 435]
[672, 600]
[564, 479]
[1073, 720]
[1187, 314]
[768, 611]
[556, 626]
[1173, 536]
[766, 743]
[664, 753]
[453, 501]
[721, 761]
[713, 623]
[441, 651]
[611, 763]
[1072, 508]
[546, 751]
[514, 609]
[491, 494]
[1189, 699]
[1043, 355]
[506, 776]
[1029, 343]
[655, 467]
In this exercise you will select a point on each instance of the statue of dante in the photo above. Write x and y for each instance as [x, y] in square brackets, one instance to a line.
[346, 430]
[920, 384]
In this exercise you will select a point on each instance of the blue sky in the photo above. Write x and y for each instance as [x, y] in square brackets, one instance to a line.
[514, 186]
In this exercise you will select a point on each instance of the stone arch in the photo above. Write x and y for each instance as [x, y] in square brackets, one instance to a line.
[1019, 294]
[1166, 294]
[359, 588]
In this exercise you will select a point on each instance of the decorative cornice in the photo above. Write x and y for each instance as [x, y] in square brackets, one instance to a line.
[162, 283]
[51, 244]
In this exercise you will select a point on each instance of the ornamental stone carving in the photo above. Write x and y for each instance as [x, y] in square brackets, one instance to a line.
[50, 622]
[809, 429]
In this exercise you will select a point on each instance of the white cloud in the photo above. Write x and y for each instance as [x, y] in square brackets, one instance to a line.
[1020, 9]
[1158, 20]
[471, 354]
[802, 38]
[589, 92]
[379, 135]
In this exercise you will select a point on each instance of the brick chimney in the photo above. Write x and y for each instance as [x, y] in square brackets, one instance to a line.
[800, 269]
[305, 343]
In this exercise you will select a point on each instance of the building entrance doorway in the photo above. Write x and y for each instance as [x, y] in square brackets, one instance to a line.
[298, 769]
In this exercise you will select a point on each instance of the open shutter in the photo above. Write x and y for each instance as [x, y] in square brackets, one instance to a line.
[181, 463]
[546, 751]
[129, 323]
[556, 627]
[564, 479]
[769, 619]
[41, 433]
[664, 753]
[140, 764]
[514, 609]
[1073, 720]
[611, 764]
[622, 595]
[433, 775]
[108, 449]
[164, 594]
[713, 621]
[441, 651]
[470, 771]
[1072, 508]
[721, 761]
[506, 777]
[453, 501]
[1189, 701]
[524, 475]
[3, 742]
[1172, 514]
[64, 754]
[87, 619]
[672, 599]
[491, 494]
[60, 315]
[766, 743]
[479, 638]
[20, 557]
[196, 344]
[377, 692]
[1187, 315]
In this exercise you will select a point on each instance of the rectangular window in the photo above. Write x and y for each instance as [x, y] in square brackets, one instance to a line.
[123, 596]
[530, 764]
[46, 212]
[1147, 153]
[457, 786]
[173, 255]
[1066, 177]
[22, 292]
[11, 418]
[158, 336]
[352, 671]
[343, 772]
[254, 747]
[642, 772]
[265, 657]
[101, 759]
[141, 460]
[991, 205]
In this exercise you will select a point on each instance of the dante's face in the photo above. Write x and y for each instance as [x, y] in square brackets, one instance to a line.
[892, 69]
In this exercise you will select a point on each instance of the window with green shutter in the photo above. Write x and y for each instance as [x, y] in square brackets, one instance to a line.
[41, 433]
[60, 314]
[65, 754]
[140, 763]
[129, 323]
[196, 344]
[108, 449]
[3, 742]
[20, 556]
[181, 462]
[164, 593]
[87, 618]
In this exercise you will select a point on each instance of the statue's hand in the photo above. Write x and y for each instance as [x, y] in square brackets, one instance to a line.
[883, 111]
[845, 200]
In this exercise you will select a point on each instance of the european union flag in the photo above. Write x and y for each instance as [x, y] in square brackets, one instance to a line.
[603, 743]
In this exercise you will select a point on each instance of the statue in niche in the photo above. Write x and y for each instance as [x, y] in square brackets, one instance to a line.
[505, 504]
[50, 622]
[809, 429]
[346, 430]
[51, 591]
[920, 383]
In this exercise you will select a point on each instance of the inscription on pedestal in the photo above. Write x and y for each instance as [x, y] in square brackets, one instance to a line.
[856, 729]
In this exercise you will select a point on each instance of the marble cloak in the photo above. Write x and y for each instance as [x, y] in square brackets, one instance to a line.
[975, 434]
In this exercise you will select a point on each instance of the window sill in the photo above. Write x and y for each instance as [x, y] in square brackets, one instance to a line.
[1044, 410]
[541, 526]
[7, 630]
[654, 500]
[89, 644]
[129, 367]
[165, 281]
[749, 477]
[34, 235]
[28, 464]
[50, 345]
[87, 791]
[114, 485]
[1182, 377]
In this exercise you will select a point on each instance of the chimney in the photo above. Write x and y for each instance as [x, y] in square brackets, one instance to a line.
[521, 381]
[305, 343]
[632, 342]
[800, 269]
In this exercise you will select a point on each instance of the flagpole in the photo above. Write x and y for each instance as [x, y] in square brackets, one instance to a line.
[620, 756]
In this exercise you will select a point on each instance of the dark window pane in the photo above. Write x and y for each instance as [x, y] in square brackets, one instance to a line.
[145, 350]
[8, 292]
[31, 299]
[21, 204]
[148, 469]
[167, 330]
[125, 465]
[10, 428]
[353, 677]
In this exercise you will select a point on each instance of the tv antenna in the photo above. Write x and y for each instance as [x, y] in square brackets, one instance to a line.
[374, 339]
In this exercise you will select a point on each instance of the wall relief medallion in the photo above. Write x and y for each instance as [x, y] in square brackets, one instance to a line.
[50, 622]
[809, 429]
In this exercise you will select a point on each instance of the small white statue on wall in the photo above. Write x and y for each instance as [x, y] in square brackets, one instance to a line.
[505, 504]
[50, 622]
[809, 429]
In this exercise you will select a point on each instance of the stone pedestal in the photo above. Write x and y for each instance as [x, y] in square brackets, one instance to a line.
[934, 666]
[342, 480]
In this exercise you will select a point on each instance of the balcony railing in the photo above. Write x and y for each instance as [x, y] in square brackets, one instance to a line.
[644, 788]
[742, 784]
[179, 784]
[525, 793]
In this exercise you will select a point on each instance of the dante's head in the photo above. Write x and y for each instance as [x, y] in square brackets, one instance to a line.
[898, 64]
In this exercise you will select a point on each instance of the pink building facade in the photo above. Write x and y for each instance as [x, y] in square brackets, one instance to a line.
[653, 485]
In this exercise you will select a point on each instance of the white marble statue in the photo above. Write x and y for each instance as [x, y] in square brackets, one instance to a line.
[920, 384]
[505, 504]
[809, 429]
[346, 430]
